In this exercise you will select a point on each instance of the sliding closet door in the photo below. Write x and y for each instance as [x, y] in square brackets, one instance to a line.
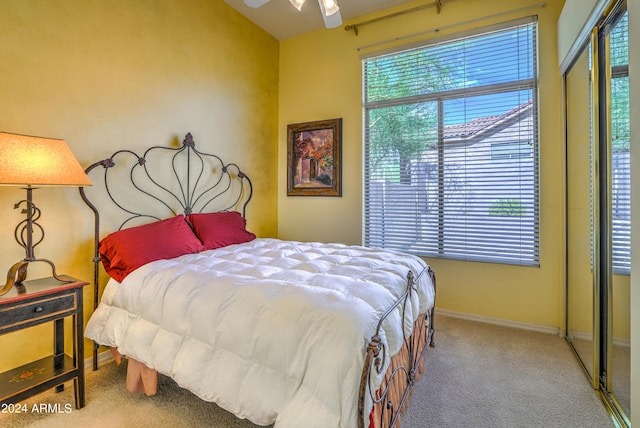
[598, 209]
[615, 209]
[580, 273]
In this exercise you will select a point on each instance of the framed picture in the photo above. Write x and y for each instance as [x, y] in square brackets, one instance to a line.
[313, 158]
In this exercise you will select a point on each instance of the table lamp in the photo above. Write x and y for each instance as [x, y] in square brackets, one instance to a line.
[33, 162]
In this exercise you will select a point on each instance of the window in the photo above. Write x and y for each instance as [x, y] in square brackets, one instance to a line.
[451, 147]
[620, 158]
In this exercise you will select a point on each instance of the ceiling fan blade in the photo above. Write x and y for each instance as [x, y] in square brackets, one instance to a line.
[332, 21]
[297, 4]
[255, 3]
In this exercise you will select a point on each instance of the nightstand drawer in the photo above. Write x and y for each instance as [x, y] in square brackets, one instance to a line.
[35, 310]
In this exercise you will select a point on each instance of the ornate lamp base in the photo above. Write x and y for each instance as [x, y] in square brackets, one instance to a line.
[24, 236]
[18, 273]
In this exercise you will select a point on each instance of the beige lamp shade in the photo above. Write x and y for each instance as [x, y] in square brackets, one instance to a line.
[36, 161]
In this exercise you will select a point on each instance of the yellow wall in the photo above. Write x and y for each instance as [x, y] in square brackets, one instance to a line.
[106, 75]
[320, 78]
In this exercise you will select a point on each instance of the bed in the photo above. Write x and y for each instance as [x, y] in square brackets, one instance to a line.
[277, 332]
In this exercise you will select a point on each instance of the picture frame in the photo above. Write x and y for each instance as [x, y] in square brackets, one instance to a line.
[314, 158]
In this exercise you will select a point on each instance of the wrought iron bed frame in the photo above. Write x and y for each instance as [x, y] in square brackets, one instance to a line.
[194, 196]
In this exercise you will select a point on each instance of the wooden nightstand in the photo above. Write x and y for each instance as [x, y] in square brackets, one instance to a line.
[37, 302]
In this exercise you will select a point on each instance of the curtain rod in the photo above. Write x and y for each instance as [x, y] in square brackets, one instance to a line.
[435, 30]
[437, 4]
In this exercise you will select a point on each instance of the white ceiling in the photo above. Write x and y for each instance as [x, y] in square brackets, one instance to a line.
[280, 19]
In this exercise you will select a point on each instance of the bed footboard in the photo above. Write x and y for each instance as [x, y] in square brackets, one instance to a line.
[390, 398]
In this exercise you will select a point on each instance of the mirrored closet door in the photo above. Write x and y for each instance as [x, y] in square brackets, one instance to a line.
[579, 186]
[598, 209]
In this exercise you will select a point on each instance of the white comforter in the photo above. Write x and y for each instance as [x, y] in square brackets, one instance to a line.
[273, 331]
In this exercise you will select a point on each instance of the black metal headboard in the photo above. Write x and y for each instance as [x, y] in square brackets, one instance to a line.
[193, 182]
[161, 183]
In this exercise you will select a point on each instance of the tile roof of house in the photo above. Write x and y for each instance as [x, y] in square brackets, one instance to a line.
[479, 124]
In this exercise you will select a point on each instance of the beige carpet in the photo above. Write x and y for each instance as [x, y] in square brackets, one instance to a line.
[478, 375]
[491, 376]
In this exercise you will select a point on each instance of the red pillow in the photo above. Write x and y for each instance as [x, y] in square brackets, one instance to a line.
[220, 229]
[128, 249]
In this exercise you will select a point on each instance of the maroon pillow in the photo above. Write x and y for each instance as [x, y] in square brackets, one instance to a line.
[220, 229]
[128, 249]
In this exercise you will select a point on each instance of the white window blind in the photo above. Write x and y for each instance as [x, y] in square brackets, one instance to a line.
[620, 157]
[451, 147]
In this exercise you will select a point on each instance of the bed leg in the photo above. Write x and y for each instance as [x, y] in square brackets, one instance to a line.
[95, 356]
[432, 343]
[432, 328]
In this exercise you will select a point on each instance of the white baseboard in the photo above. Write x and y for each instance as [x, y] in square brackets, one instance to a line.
[503, 322]
[103, 357]
[588, 337]
[581, 335]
